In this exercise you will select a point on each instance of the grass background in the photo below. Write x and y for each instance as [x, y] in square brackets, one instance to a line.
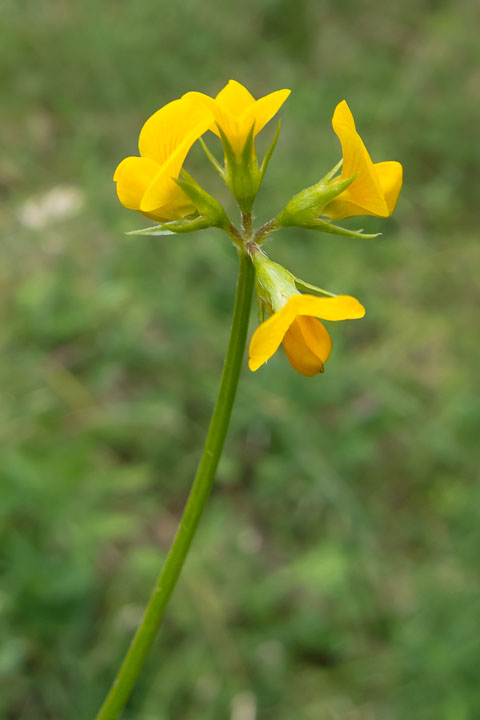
[335, 574]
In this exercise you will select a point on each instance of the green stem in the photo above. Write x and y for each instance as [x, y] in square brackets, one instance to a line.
[147, 630]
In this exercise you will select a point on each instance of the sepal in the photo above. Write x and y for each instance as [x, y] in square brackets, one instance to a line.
[242, 174]
[262, 311]
[328, 227]
[153, 230]
[309, 288]
[209, 209]
[269, 153]
[274, 284]
[211, 158]
[173, 228]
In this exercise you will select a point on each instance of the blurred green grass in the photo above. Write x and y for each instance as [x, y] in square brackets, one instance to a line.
[335, 574]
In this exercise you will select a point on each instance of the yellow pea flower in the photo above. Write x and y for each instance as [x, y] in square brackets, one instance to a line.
[306, 341]
[235, 110]
[376, 188]
[146, 183]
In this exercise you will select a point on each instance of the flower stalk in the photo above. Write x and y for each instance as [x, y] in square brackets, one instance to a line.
[202, 485]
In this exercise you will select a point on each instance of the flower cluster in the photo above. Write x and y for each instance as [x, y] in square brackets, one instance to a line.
[155, 185]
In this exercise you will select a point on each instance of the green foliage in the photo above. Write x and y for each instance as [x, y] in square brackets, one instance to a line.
[335, 574]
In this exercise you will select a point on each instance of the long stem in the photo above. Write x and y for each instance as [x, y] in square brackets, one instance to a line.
[133, 662]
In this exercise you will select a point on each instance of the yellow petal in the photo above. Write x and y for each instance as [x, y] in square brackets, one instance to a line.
[235, 111]
[145, 183]
[168, 128]
[340, 208]
[221, 117]
[307, 345]
[162, 187]
[341, 307]
[263, 110]
[177, 207]
[390, 175]
[316, 336]
[268, 336]
[365, 195]
[234, 98]
[133, 176]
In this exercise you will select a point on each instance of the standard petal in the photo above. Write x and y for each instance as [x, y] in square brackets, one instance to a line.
[221, 117]
[267, 337]
[235, 110]
[162, 187]
[365, 191]
[390, 175]
[263, 110]
[307, 345]
[341, 307]
[234, 98]
[133, 176]
[168, 128]
[343, 114]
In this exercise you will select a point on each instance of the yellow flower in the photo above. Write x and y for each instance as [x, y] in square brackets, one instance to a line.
[146, 183]
[235, 110]
[376, 188]
[305, 340]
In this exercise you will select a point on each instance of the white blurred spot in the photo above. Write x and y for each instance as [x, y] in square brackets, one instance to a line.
[129, 616]
[249, 540]
[271, 652]
[207, 687]
[59, 203]
[244, 706]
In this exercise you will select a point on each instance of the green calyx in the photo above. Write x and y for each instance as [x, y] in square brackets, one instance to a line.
[274, 284]
[308, 204]
[305, 209]
[242, 172]
[207, 206]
